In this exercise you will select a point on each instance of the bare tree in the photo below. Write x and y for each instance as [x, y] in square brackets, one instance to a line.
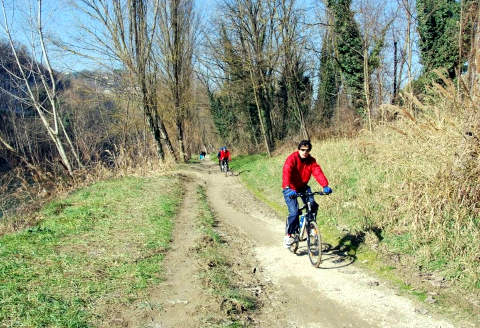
[38, 77]
[373, 38]
[254, 23]
[408, 6]
[291, 47]
[129, 29]
[175, 42]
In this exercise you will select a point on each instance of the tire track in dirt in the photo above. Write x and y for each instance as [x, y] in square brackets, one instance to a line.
[180, 300]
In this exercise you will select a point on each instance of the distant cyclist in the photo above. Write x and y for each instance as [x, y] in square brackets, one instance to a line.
[224, 156]
[297, 170]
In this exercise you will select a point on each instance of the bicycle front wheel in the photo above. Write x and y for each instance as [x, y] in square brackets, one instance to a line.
[314, 244]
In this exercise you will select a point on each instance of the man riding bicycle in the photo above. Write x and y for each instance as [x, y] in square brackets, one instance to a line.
[297, 170]
[224, 156]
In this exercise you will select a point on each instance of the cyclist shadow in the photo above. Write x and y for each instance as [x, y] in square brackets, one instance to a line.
[343, 254]
[331, 258]
[240, 172]
[337, 257]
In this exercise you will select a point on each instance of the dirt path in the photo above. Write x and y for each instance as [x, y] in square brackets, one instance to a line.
[180, 300]
[292, 292]
[338, 294]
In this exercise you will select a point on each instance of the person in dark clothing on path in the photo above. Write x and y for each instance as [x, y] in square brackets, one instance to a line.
[297, 170]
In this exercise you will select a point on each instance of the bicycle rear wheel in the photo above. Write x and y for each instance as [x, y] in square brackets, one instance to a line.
[314, 244]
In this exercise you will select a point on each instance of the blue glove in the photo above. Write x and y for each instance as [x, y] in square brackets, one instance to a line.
[290, 193]
[327, 190]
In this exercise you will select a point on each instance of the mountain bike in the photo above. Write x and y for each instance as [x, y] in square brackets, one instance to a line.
[308, 230]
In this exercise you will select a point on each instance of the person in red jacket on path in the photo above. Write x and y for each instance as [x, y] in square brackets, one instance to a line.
[225, 154]
[297, 170]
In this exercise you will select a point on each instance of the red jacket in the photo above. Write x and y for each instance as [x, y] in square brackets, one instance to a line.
[297, 172]
[225, 154]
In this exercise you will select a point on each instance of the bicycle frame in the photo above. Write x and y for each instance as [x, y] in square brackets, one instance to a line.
[309, 217]
[309, 226]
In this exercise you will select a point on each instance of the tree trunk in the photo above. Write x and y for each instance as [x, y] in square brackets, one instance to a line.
[474, 60]
[460, 45]
[260, 112]
[409, 61]
[181, 145]
[177, 80]
[366, 86]
[166, 140]
[142, 57]
[395, 66]
[156, 132]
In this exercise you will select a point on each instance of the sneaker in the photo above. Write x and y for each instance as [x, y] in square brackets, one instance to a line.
[287, 241]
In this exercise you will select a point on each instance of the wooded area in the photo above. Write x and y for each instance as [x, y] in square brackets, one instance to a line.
[252, 75]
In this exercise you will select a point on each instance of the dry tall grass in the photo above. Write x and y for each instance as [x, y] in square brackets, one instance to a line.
[434, 151]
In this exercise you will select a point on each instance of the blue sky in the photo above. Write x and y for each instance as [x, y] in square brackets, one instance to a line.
[61, 21]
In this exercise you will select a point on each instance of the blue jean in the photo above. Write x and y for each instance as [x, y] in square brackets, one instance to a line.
[293, 213]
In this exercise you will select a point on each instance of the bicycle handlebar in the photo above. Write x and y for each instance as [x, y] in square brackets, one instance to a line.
[306, 194]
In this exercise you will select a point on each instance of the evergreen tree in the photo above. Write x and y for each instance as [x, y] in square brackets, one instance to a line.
[329, 81]
[349, 50]
[232, 105]
[357, 55]
[438, 27]
[295, 88]
[223, 116]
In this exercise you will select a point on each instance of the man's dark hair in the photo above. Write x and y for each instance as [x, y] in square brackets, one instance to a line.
[305, 143]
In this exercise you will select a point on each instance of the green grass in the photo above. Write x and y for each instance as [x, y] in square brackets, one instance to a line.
[260, 176]
[368, 216]
[217, 273]
[99, 248]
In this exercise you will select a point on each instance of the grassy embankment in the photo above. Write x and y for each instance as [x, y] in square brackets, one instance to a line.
[217, 273]
[409, 193]
[93, 254]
